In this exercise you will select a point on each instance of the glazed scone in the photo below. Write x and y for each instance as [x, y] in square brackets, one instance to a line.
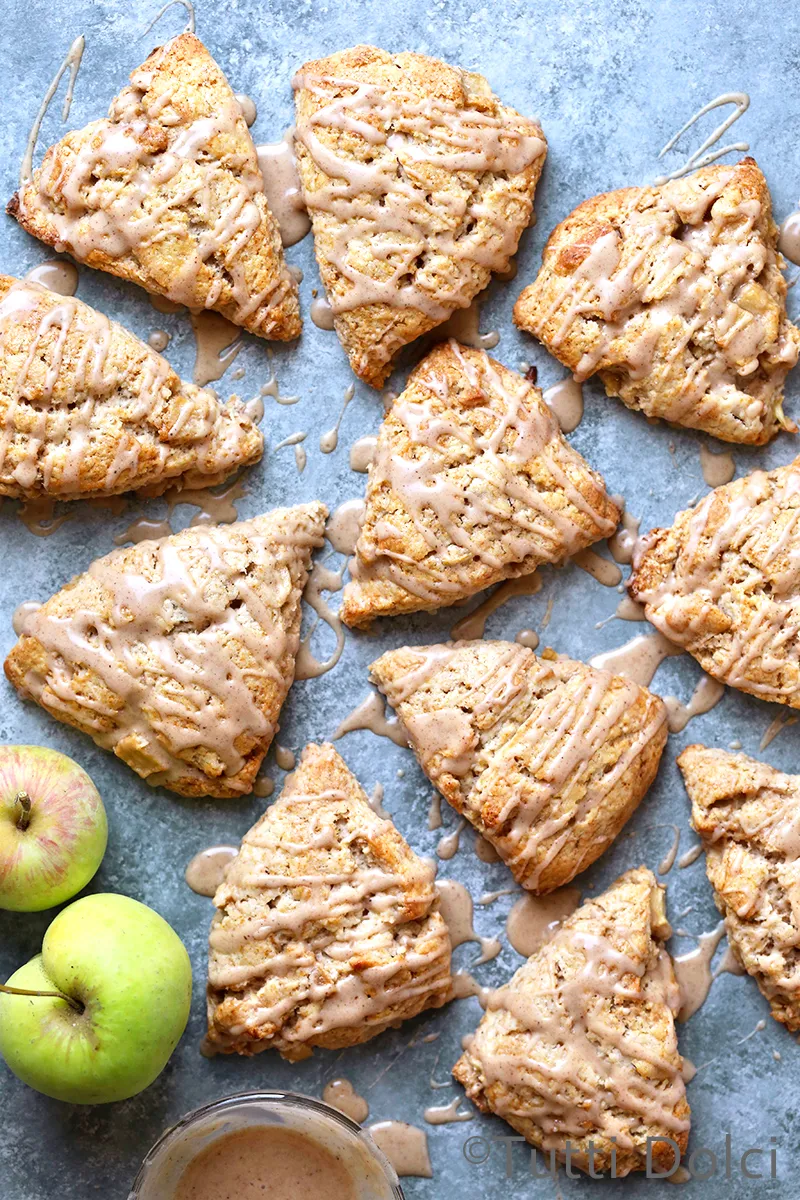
[579, 1048]
[328, 929]
[177, 654]
[86, 409]
[748, 816]
[418, 182]
[167, 193]
[674, 296]
[547, 758]
[472, 483]
[723, 582]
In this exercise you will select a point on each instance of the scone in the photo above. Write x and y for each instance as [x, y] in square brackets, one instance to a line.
[167, 193]
[418, 182]
[674, 296]
[86, 409]
[723, 582]
[578, 1051]
[472, 483]
[178, 654]
[546, 757]
[748, 816]
[327, 930]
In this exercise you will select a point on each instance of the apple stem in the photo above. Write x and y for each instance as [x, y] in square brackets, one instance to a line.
[13, 991]
[24, 802]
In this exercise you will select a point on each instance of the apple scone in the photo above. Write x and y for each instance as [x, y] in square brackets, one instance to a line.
[328, 928]
[748, 817]
[674, 296]
[419, 183]
[178, 654]
[472, 483]
[546, 757]
[723, 582]
[578, 1051]
[86, 409]
[167, 193]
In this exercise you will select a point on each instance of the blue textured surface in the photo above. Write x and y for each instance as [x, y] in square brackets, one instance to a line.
[610, 81]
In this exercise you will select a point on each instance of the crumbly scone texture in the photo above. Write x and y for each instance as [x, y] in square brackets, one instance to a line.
[472, 483]
[177, 654]
[419, 183]
[86, 409]
[167, 193]
[546, 757]
[580, 1047]
[723, 582]
[327, 930]
[748, 816]
[674, 296]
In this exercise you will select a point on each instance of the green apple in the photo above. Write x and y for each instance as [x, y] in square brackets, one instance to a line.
[118, 986]
[53, 829]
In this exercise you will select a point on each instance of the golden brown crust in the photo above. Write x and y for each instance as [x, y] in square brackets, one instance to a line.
[167, 193]
[178, 654]
[327, 930]
[472, 483]
[579, 1048]
[723, 582]
[89, 410]
[407, 227]
[674, 296]
[547, 759]
[747, 815]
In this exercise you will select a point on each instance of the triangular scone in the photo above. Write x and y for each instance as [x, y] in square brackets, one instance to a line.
[674, 296]
[748, 815]
[547, 758]
[167, 193]
[418, 182]
[579, 1048]
[178, 654]
[328, 929]
[86, 409]
[723, 582]
[472, 483]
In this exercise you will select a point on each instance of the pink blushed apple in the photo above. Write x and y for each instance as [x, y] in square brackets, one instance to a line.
[53, 829]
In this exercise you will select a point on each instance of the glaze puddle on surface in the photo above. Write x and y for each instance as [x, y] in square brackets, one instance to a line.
[341, 1094]
[321, 313]
[473, 626]
[718, 466]
[371, 714]
[605, 572]
[533, 920]
[344, 526]
[57, 275]
[362, 453]
[706, 695]
[282, 188]
[71, 63]
[321, 579]
[565, 401]
[447, 1114]
[405, 1146]
[638, 659]
[206, 870]
[448, 845]
[217, 344]
[464, 327]
[330, 440]
[776, 728]
[455, 905]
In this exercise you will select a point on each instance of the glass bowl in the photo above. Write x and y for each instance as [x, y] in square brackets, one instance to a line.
[373, 1175]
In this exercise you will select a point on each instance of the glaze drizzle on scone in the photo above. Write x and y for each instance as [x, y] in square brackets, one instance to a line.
[579, 1047]
[167, 193]
[748, 816]
[86, 409]
[546, 758]
[419, 183]
[674, 296]
[472, 483]
[723, 582]
[178, 654]
[327, 930]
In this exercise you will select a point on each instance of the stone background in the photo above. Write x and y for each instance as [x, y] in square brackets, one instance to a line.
[610, 80]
